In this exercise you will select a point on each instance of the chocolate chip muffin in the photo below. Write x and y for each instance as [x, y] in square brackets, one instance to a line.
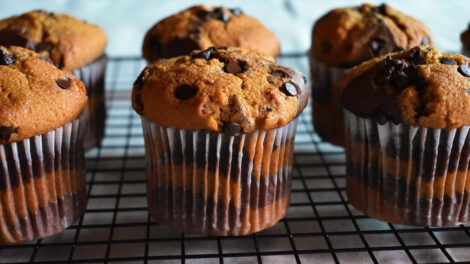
[73, 45]
[201, 27]
[219, 129]
[407, 137]
[344, 38]
[42, 125]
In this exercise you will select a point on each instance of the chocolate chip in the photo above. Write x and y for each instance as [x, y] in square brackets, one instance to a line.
[326, 47]
[32, 45]
[6, 131]
[44, 46]
[448, 61]
[398, 49]
[400, 80]
[232, 129]
[219, 14]
[289, 89]
[382, 9]
[425, 41]
[233, 67]
[236, 11]
[382, 78]
[5, 58]
[376, 46]
[464, 70]
[205, 54]
[64, 83]
[280, 73]
[415, 54]
[185, 91]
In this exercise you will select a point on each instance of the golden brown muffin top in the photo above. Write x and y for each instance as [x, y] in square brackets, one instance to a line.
[201, 27]
[70, 42]
[420, 87]
[345, 37]
[35, 96]
[231, 90]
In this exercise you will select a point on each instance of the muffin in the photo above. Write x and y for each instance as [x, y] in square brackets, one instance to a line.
[42, 126]
[219, 129]
[201, 27]
[465, 38]
[407, 118]
[344, 38]
[73, 45]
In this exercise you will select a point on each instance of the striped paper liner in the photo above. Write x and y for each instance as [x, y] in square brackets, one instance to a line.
[327, 107]
[408, 175]
[213, 184]
[93, 76]
[42, 183]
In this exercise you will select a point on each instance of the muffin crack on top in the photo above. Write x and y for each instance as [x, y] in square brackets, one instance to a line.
[230, 90]
[421, 87]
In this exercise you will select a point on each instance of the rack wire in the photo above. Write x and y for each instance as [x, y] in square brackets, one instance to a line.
[320, 226]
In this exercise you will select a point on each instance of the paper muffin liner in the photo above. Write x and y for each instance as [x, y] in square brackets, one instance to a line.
[213, 184]
[327, 107]
[42, 183]
[93, 76]
[408, 175]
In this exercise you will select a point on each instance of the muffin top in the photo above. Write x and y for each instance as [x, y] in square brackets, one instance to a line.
[35, 96]
[201, 27]
[69, 42]
[230, 90]
[420, 87]
[346, 37]
[465, 38]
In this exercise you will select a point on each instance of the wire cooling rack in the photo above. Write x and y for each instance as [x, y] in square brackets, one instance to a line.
[320, 226]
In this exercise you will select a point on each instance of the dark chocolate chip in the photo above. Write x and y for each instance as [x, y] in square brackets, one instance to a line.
[232, 129]
[425, 41]
[289, 89]
[205, 54]
[415, 54]
[5, 58]
[400, 80]
[233, 67]
[185, 91]
[382, 78]
[326, 47]
[219, 14]
[236, 11]
[64, 83]
[464, 70]
[32, 45]
[382, 9]
[267, 109]
[448, 61]
[44, 46]
[202, 14]
[280, 73]
[6, 131]
[397, 49]
[376, 46]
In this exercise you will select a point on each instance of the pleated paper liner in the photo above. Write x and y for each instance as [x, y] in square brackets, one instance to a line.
[42, 183]
[327, 108]
[93, 76]
[408, 175]
[212, 184]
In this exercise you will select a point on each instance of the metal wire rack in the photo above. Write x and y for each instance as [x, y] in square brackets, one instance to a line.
[320, 226]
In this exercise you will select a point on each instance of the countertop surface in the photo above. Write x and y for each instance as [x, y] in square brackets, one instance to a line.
[127, 21]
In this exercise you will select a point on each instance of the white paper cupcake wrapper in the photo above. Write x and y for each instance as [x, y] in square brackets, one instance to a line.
[327, 106]
[213, 184]
[408, 175]
[93, 76]
[42, 183]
